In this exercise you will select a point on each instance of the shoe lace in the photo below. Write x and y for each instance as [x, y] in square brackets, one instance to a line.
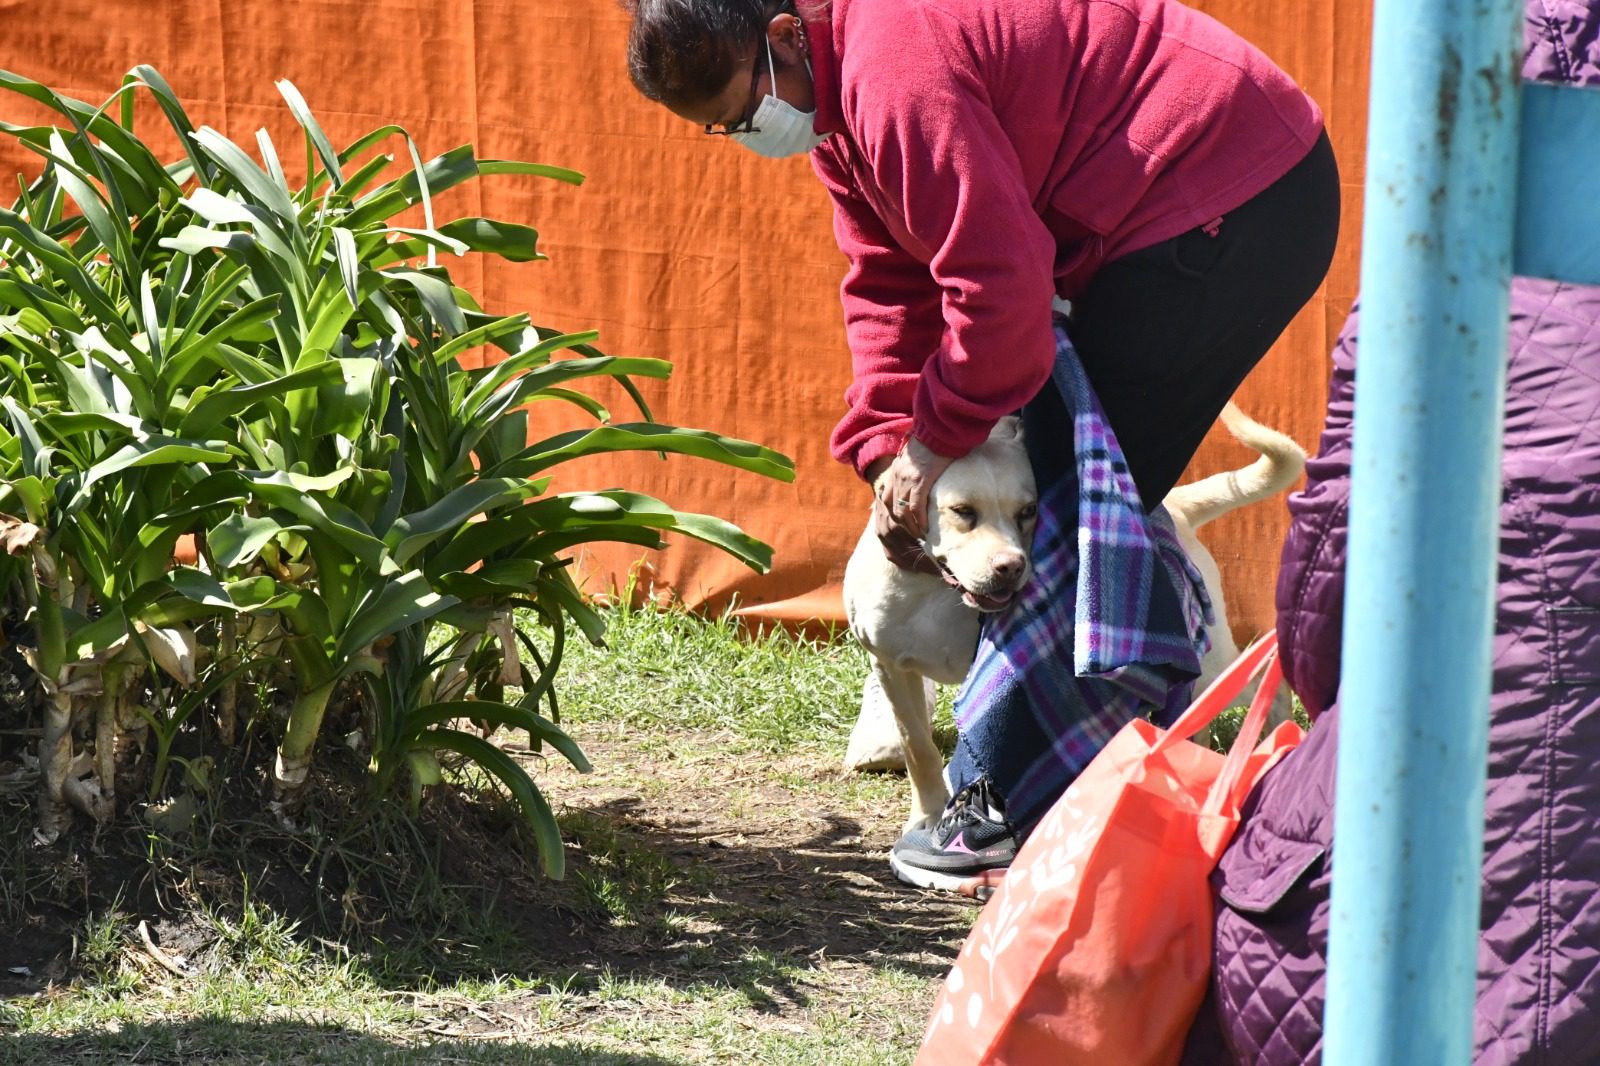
[960, 809]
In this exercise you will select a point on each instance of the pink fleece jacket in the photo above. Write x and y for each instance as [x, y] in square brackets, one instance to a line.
[988, 154]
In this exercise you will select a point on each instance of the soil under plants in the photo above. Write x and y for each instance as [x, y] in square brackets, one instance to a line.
[727, 899]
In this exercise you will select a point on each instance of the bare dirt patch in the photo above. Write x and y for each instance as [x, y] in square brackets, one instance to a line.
[694, 863]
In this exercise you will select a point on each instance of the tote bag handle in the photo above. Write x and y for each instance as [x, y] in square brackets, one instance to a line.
[1261, 657]
[1244, 744]
[1220, 694]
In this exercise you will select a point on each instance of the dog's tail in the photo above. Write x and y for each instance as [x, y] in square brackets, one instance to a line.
[1279, 466]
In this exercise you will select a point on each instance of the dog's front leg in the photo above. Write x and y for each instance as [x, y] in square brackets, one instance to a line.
[907, 693]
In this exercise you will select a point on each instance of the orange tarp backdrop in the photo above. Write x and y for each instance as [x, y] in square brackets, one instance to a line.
[677, 246]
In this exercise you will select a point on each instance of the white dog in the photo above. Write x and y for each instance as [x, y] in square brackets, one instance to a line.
[920, 631]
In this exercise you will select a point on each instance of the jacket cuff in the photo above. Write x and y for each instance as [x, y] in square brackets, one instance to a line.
[875, 448]
[952, 442]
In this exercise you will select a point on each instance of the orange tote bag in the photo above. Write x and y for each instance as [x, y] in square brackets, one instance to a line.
[1096, 948]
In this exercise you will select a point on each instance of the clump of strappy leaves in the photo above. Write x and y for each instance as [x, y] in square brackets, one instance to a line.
[200, 347]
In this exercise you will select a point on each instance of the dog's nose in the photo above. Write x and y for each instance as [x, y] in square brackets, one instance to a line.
[1007, 565]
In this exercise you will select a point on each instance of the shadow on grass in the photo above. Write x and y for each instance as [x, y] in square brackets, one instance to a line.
[691, 902]
[219, 1042]
[669, 894]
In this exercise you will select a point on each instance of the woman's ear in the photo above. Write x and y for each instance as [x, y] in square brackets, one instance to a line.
[787, 34]
[787, 37]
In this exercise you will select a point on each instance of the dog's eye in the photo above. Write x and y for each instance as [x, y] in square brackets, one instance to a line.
[965, 513]
[1028, 513]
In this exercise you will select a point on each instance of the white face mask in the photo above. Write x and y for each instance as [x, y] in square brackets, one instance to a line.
[780, 129]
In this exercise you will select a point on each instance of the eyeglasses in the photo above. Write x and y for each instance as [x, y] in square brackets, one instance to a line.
[745, 124]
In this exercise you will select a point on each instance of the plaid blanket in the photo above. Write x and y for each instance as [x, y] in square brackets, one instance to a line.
[1110, 627]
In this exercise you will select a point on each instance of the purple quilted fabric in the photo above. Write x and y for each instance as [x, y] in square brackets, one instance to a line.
[1539, 952]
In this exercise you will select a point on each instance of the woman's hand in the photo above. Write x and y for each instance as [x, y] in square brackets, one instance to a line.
[901, 513]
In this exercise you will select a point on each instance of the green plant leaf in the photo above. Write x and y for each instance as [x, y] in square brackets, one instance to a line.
[494, 582]
[61, 264]
[207, 414]
[491, 333]
[194, 584]
[243, 322]
[111, 232]
[559, 588]
[219, 283]
[648, 436]
[177, 118]
[441, 173]
[533, 805]
[247, 175]
[269, 159]
[351, 398]
[130, 365]
[481, 540]
[203, 595]
[86, 119]
[66, 424]
[31, 491]
[32, 451]
[632, 508]
[155, 450]
[424, 768]
[720, 533]
[543, 170]
[192, 240]
[18, 292]
[425, 239]
[94, 639]
[503, 715]
[549, 544]
[279, 489]
[239, 538]
[588, 404]
[508, 240]
[507, 437]
[437, 298]
[413, 532]
[358, 180]
[341, 578]
[344, 247]
[308, 122]
[558, 373]
[403, 601]
[217, 209]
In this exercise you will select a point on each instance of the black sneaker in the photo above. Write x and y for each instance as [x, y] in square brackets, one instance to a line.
[968, 850]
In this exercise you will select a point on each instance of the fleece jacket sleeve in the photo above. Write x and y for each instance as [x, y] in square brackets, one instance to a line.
[892, 319]
[971, 325]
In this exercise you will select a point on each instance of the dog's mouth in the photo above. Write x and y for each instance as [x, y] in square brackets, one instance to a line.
[995, 599]
[989, 604]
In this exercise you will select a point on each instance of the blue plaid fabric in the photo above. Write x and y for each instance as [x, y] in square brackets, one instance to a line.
[1111, 627]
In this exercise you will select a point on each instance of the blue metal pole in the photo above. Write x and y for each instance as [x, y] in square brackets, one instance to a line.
[1424, 516]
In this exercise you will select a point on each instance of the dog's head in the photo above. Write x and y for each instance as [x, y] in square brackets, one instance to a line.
[981, 518]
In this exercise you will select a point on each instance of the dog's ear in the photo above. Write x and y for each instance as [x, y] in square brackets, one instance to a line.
[1008, 428]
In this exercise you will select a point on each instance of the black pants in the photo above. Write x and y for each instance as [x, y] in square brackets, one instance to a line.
[1166, 334]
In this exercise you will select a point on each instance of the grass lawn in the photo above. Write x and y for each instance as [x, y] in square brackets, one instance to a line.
[727, 899]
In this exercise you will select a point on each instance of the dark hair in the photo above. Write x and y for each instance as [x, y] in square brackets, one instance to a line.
[685, 51]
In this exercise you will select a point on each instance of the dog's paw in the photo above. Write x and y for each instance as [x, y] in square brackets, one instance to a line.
[875, 759]
[875, 745]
